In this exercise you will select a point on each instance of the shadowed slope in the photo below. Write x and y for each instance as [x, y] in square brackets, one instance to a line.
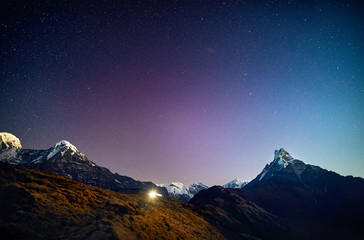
[238, 218]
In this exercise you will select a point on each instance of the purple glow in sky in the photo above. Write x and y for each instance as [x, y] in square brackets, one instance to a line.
[187, 90]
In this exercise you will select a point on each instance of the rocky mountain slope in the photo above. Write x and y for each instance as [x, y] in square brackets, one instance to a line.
[65, 159]
[38, 204]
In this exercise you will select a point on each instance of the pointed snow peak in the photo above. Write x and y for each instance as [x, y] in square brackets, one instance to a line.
[282, 153]
[282, 157]
[283, 164]
[281, 160]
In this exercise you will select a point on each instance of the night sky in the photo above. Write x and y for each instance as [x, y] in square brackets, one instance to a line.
[187, 90]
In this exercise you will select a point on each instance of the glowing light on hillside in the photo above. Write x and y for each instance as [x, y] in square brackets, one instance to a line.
[153, 194]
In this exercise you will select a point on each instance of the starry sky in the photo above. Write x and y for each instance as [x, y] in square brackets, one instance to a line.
[187, 90]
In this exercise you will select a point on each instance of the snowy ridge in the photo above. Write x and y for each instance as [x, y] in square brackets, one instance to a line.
[178, 190]
[194, 188]
[236, 183]
[11, 152]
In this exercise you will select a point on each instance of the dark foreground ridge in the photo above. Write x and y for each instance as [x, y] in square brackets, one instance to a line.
[38, 204]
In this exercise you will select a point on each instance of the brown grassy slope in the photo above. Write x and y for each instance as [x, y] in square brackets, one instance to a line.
[41, 205]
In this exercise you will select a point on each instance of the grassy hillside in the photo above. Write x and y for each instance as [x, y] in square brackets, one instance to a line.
[41, 205]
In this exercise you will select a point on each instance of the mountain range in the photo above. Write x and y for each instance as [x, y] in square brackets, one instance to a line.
[178, 190]
[65, 159]
[289, 199]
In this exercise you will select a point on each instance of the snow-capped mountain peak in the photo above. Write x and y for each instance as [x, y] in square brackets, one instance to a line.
[236, 183]
[282, 157]
[196, 187]
[8, 140]
[67, 144]
[281, 160]
[175, 188]
[62, 146]
[283, 164]
[178, 190]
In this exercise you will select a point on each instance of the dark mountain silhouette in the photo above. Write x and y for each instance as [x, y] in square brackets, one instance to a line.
[320, 203]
